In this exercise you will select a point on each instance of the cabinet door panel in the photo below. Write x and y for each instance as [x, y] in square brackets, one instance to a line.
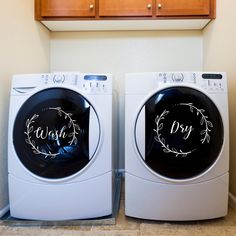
[125, 7]
[182, 7]
[67, 8]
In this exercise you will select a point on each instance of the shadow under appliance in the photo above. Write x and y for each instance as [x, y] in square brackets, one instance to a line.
[176, 146]
[60, 146]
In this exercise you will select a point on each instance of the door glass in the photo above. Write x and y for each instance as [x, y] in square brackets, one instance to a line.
[51, 133]
[183, 133]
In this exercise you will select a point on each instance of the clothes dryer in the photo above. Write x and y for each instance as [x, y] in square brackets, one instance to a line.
[176, 145]
[60, 146]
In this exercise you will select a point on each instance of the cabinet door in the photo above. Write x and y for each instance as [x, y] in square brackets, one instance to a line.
[67, 8]
[125, 7]
[182, 7]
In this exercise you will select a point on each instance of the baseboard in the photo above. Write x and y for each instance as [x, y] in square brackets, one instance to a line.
[4, 210]
[232, 200]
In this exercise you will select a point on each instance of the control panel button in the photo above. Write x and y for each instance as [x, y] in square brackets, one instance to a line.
[215, 85]
[104, 88]
[194, 78]
[45, 78]
[162, 78]
[95, 84]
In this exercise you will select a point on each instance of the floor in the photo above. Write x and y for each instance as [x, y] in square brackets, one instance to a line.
[126, 226]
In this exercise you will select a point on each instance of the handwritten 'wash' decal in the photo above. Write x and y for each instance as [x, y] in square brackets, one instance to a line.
[44, 133]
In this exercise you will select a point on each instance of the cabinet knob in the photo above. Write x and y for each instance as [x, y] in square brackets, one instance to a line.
[91, 6]
[149, 6]
[159, 5]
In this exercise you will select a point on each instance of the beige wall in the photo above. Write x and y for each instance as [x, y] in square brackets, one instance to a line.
[122, 52]
[219, 48]
[24, 48]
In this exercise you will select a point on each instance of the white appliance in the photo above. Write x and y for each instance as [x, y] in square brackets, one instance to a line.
[176, 146]
[60, 146]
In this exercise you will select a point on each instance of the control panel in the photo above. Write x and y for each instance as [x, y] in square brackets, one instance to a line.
[95, 83]
[212, 82]
[177, 77]
[88, 83]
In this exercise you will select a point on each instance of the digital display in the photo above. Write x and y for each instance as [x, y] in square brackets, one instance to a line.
[212, 76]
[95, 77]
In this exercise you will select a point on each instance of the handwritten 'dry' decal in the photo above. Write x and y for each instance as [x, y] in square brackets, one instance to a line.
[186, 130]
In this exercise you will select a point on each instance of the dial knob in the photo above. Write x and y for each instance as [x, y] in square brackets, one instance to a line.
[59, 78]
[177, 77]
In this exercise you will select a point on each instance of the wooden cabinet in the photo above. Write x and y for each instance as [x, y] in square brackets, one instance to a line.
[67, 8]
[70, 15]
[108, 9]
[125, 8]
[183, 7]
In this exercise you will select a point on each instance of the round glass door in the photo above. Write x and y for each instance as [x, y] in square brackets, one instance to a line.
[179, 133]
[56, 133]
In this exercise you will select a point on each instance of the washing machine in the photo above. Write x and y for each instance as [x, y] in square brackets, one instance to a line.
[176, 146]
[60, 146]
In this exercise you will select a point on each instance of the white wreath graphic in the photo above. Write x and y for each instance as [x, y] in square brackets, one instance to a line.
[161, 140]
[203, 121]
[30, 128]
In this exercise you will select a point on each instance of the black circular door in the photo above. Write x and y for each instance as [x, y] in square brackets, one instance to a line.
[51, 133]
[179, 133]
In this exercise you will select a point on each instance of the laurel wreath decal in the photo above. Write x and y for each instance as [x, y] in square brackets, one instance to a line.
[204, 133]
[162, 141]
[30, 129]
[203, 121]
